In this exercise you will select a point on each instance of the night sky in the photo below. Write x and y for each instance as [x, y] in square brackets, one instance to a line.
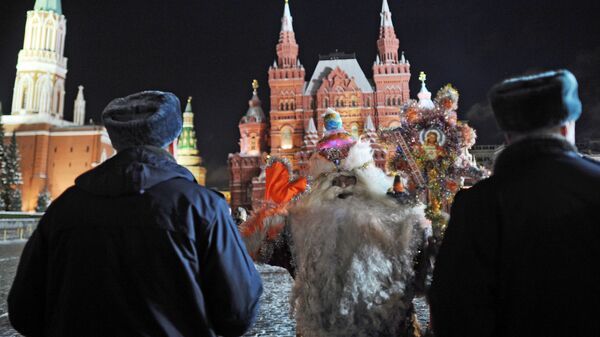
[212, 50]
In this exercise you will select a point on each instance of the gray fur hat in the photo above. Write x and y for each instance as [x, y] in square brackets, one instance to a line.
[146, 118]
[536, 101]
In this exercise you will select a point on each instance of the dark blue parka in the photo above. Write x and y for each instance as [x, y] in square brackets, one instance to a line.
[135, 248]
[520, 254]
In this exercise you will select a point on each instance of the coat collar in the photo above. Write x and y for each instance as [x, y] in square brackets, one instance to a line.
[529, 149]
[132, 171]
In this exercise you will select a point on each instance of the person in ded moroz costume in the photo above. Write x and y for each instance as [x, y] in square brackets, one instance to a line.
[351, 245]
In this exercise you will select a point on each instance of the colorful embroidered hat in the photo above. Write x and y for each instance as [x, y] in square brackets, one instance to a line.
[336, 142]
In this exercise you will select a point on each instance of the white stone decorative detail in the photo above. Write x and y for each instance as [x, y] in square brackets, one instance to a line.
[79, 109]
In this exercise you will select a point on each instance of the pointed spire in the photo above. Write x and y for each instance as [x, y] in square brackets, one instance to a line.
[385, 7]
[424, 95]
[388, 44]
[386, 15]
[377, 60]
[287, 48]
[80, 93]
[186, 151]
[187, 138]
[369, 132]
[369, 126]
[79, 108]
[188, 107]
[311, 126]
[402, 58]
[48, 5]
[311, 137]
[287, 20]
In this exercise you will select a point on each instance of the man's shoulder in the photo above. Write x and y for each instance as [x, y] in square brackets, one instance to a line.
[482, 187]
[194, 192]
[591, 161]
[196, 188]
[70, 194]
[583, 167]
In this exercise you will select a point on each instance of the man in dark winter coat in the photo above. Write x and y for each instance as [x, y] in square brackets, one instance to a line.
[519, 255]
[136, 247]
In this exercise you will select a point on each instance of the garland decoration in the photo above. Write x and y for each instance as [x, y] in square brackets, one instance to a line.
[432, 151]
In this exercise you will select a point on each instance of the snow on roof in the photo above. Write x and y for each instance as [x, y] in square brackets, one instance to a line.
[349, 66]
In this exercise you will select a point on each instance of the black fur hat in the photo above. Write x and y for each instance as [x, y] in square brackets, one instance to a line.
[537, 101]
[146, 118]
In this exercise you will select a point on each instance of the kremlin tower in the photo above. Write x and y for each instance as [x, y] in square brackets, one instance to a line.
[55, 151]
[187, 152]
[297, 105]
[42, 67]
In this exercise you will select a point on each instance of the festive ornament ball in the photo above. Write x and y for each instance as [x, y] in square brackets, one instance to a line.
[333, 121]
[336, 142]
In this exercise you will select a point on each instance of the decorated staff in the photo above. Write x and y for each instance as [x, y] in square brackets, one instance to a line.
[432, 149]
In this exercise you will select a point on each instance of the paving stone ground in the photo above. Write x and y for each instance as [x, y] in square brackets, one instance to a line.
[273, 321]
[10, 252]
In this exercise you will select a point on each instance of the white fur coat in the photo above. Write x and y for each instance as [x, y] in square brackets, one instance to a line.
[353, 257]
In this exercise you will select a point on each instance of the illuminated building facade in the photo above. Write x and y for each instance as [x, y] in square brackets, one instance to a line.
[297, 105]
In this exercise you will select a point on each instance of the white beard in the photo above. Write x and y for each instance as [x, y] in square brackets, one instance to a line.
[354, 260]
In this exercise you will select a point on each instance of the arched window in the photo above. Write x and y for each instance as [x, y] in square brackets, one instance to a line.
[281, 106]
[59, 41]
[45, 96]
[286, 138]
[24, 97]
[253, 143]
[326, 102]
[368, 102]
[57, 100]
[35, 33]
[49, 41]
[389, 101]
